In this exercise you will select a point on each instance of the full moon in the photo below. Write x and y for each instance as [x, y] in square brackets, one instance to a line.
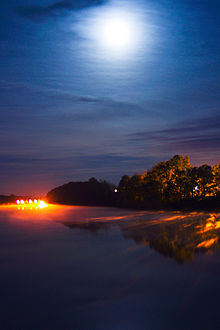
[112, 32]
[116, 34]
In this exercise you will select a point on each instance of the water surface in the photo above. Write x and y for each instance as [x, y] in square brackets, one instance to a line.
[105, 268]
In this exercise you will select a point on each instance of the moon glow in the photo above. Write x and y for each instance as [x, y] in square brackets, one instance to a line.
[112, 33]
[116, 34]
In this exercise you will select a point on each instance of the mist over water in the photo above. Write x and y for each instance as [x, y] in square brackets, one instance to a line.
[107, 268]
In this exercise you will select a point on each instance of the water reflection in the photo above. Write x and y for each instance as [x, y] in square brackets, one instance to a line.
[173, 234]
[93, 268]
[179, 236]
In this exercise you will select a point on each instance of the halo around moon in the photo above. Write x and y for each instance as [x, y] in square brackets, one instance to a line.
[116, 34]
[112, 32]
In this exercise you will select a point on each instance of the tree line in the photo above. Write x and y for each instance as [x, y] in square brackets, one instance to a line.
[174, 182]
[92, 192]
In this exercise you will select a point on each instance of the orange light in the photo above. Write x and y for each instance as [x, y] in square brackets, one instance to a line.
[41, 204]
[29, 203]
[207, 243]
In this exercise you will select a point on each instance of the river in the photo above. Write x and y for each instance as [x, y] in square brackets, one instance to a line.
[72, 267]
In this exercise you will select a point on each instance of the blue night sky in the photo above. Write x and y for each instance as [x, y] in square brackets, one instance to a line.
[79, 100]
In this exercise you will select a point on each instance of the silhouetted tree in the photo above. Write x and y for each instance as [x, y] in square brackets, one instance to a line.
[91, 192]
[169, 182]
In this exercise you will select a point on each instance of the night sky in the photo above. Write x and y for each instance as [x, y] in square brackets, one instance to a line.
[105, 88]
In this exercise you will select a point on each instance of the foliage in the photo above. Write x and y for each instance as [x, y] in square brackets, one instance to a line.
[92, 192]
[171, 182]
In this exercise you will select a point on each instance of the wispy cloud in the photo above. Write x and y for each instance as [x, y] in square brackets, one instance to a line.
[60, 8]
[77, 110]
[198, 135]
[108, 166]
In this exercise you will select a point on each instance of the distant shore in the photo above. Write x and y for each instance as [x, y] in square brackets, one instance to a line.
[206, 205]
[170, 185]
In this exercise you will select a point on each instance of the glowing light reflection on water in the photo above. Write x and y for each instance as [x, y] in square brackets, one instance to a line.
[104, 268]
